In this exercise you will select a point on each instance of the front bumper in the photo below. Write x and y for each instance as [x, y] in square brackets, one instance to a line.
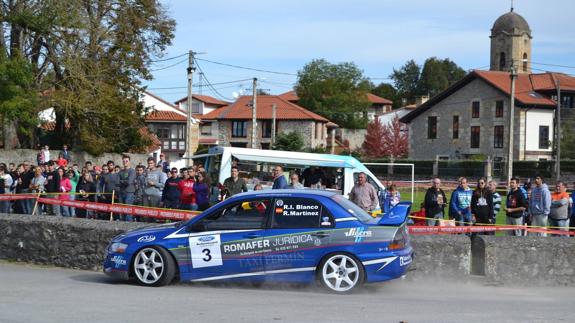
[116, 265]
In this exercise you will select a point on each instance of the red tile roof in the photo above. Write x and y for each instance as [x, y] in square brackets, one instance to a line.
[524, 91]
[293, 97]
[377, 99]
[285, 110]
[161, 115]
[204, 98]
[547, 82]
[51, 125]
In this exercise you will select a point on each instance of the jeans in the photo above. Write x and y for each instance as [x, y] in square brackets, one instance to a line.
[72, 210]
[5, 207]
[514, 221]
[172, 204]
[26, 205]
[539, 220]
[562, 225]
[465, 219]
[434, 221]
[64, 210]
[151, 201]
[126, 198]
[52, 209]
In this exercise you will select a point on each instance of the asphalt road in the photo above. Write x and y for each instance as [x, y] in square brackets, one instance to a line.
[40, 294]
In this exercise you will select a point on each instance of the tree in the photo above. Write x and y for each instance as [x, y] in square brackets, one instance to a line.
[88, 59]
[335, 91]
[386, 90]
[437, 75]
[411, 80]
[290, 141]
[385, 140]
[406, 81]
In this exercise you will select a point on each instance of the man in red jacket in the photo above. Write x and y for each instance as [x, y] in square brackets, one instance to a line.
[186, 188]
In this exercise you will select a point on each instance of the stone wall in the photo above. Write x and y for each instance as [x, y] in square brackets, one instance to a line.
[441, 256]
[534, 261]
[356, 137]
[64, 242]
[20, 155]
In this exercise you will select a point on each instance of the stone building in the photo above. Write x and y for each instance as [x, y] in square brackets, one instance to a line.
[233, 124]
[471, 117]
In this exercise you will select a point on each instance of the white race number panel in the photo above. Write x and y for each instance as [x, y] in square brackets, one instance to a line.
[206, 251]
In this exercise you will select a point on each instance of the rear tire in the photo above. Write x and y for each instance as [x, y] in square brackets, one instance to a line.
[340, 273]
[154, 266]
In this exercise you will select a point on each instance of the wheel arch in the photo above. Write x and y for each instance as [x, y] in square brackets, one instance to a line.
[131, 262]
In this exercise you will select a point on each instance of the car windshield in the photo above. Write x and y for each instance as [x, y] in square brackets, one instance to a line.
[353, 209]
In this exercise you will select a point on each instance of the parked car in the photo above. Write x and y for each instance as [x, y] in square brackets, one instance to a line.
[276, 235]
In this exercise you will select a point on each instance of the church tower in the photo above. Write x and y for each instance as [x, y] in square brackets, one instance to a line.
[511, 43]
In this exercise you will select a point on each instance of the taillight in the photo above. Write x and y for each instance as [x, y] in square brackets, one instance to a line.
[400, 239]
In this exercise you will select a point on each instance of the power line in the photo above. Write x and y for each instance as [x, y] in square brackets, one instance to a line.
[210, 86]
[196, 85]
[169, 58]
[555, 65]
[169, 66]
[245, 68]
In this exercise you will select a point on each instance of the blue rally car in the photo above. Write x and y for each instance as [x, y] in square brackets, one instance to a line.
[276, 235]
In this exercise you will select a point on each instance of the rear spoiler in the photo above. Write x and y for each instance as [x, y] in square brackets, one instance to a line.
[396, 215]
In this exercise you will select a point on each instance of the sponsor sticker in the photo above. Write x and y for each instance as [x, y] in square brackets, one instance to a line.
[147, 238]
[119, 261]
[359, 234]
[405, 260]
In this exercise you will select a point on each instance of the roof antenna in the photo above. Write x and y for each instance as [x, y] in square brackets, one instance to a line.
[511, 6]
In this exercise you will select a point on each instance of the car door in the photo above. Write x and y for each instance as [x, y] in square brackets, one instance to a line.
[300, 228]
[230, 242]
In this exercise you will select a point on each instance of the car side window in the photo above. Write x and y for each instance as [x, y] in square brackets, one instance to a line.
[239, 216]
[299, 213]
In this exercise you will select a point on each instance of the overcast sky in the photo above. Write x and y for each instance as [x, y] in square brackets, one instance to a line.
[377, 35]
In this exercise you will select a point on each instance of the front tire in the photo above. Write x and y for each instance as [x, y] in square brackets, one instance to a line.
[340, 273]
[154, 266]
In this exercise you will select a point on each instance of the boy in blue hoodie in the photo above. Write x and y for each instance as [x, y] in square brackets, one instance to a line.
[539, 205]
[461, 203]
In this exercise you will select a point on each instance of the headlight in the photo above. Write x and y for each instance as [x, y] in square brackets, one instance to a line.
[118, 247]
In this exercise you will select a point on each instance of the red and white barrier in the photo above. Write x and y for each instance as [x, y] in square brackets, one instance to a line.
[427, 230]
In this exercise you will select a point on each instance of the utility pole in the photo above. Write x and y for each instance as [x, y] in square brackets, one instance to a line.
[254, 112]
[191, 69]
[511, 119]
[558, 132]
[273, 125]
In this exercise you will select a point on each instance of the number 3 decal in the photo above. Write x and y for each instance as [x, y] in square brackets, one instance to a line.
[206, 252]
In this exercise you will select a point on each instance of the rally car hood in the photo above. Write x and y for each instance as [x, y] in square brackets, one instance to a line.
[149, 233]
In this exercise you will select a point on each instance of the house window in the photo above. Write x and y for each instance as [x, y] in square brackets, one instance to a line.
[475, 109]
[239, 128]
[431, 127]
[475, 136]
[163, 133]
[499, 109]
[206, 129]
[525, 62]
[266, 129]
[196, 107]
[455, 127]
[498, 137]
[543, 137]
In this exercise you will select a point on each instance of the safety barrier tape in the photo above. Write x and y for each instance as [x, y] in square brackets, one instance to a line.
[463, 223]
[163, 214]
[422, 229]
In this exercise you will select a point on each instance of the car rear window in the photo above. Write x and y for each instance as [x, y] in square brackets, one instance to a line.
[353, 209]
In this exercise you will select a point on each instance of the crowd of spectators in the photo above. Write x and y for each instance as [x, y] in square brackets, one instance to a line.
[529, 204]
[156, 185]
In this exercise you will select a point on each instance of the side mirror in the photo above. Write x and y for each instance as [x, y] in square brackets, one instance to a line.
[197, 227]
